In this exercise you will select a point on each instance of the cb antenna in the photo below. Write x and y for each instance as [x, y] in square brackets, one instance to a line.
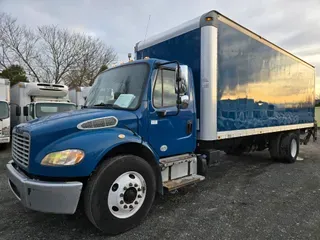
[145, 36]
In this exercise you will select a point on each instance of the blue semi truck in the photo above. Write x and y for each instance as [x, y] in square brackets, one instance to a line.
[157, 123]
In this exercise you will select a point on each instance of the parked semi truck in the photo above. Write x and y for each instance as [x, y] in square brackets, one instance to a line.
[38, 100]
[79, 95]
[156, 123]
[4, 112]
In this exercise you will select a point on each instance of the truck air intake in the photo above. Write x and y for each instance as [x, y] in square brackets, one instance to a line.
[98, 123]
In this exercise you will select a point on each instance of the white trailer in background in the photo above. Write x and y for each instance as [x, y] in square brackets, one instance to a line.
[38, 100]
[4, 111]
[79, 95]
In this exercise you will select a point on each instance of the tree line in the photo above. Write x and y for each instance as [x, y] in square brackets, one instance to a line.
[51, 54]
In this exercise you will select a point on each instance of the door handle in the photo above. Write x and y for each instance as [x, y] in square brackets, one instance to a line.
[162, 113]
[189, 127]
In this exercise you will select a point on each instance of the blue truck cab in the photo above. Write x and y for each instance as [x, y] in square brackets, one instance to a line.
[56, 158]
[160, 121]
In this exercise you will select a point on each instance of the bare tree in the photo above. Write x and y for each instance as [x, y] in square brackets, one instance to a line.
[50, 54]
[95, 54]
[6, 57]
[70, 57]
[61, 50]
[18, 45]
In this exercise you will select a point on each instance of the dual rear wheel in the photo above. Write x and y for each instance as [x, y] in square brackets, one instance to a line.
[285, 147]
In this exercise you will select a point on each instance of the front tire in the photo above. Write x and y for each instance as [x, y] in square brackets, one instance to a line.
[119, 195]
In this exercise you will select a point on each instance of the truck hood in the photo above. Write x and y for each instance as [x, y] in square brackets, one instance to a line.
[47, 129]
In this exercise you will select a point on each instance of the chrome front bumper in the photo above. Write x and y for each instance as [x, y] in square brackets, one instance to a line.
[50, 197]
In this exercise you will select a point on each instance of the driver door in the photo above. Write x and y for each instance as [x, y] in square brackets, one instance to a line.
[173, 133]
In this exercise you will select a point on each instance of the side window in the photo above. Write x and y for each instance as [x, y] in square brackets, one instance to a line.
[164, 90]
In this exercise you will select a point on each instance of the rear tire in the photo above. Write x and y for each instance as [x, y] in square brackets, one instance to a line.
[119, 195]
[289, 148]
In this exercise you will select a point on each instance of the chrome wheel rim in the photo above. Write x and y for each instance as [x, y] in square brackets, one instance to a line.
[293, 147]
[127, 194]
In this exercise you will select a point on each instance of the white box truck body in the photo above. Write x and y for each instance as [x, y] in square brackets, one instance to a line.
[78, 95]
[38, 100]
[4, 111]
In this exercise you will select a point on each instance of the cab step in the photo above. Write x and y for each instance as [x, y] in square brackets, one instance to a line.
[177, 167]
[182, 182]
[169, 161]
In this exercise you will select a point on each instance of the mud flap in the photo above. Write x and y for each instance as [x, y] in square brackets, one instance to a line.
[311, 132]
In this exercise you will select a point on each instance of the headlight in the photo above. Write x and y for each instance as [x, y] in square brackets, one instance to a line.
[63, 158]
[5, 131]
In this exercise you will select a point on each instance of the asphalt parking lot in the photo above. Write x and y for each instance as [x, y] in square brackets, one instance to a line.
[247, 197]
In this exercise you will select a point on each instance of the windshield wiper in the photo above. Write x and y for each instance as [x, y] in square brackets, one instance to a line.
[107, 105]
[104, 105]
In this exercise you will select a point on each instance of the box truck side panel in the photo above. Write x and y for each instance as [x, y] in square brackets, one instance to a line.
[73, 96]
[260, 87]
[244, 84]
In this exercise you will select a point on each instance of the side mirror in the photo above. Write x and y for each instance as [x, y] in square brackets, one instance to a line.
[183, 83]
[25, 111]
[18, 111]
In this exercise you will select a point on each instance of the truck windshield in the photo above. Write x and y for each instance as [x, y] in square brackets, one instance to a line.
[45, 109]
[120, 87]
[4, 110]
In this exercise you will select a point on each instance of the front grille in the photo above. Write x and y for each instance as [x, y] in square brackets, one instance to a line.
[21, 148]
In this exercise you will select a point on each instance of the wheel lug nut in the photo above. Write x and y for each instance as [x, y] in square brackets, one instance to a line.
[125, 188]
[125, 206]
[130, 206]
[136, 202]
[139, 189]
[135, 185]
[121, 202]
[121, 195]
[139, 196]
[130, 184]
